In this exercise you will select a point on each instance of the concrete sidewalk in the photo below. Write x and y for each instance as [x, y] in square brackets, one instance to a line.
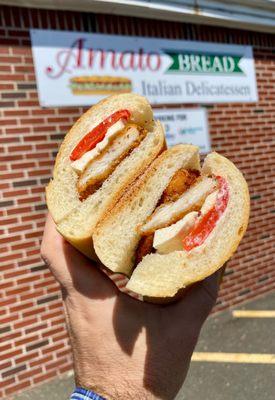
[239, 381]
[222, 380]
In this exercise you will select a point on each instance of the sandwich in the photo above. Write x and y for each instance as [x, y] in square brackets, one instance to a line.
[105, 151]
[87, 85]
[176, 225]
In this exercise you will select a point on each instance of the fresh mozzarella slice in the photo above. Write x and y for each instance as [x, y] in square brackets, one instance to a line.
[168, 213]
[80, 164]
[209, 202]
[169, 239]
[100, 168]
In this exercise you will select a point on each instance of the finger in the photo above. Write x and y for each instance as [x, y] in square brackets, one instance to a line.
[70, 267]
[212, 283]
[222, 271]
[51, 235]
[55, 249]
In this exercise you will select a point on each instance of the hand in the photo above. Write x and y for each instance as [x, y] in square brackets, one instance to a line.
[124, 348]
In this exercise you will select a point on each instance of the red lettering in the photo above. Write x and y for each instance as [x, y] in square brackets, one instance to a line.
[113, 59]
[91, 58]
[102, 58]
[150, 61]
[66, 58]
[73, 58]
[127, 60]
[140, 61]
[79, 53]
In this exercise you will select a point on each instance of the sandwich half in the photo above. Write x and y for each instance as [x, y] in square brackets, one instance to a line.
[177, 225]
[104, 152]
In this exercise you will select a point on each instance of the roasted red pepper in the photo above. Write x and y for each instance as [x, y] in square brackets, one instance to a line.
[97, 134]
[207, 223]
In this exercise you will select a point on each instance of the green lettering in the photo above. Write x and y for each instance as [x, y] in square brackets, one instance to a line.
[184, 62]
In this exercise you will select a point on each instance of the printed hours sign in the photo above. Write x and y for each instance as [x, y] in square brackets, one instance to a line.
[185, 126]
[76, 68]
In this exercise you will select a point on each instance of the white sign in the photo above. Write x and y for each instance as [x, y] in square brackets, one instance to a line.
[185, 126]
[76, 68]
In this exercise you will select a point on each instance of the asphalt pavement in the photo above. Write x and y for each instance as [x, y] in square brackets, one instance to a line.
[233, 360]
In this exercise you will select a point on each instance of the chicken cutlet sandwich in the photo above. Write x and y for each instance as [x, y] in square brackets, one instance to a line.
[103, 153]
[87, 85]
[176, 225]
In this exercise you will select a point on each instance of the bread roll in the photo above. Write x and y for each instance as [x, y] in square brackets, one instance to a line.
[76, 219]
[162, 277]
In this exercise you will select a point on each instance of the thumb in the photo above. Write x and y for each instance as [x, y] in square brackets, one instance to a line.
[72, 269]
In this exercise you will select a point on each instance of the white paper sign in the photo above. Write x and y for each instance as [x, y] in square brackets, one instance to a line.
[76, 68]
[185, 126]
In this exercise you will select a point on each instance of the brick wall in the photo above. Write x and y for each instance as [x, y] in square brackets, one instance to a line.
[34, 344]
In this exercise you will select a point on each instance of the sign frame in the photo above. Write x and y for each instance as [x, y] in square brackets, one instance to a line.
[166, 71]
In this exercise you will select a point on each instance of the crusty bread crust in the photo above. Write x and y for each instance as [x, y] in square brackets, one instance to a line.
[159, 278]
[75, 220]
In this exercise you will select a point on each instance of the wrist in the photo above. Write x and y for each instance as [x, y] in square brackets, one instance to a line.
[115, 389]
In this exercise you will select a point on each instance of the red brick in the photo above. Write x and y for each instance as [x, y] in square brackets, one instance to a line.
[29, 374]
[7, 382]
[22, 51]
[10, 354]
[10, 59]
[19, 210]
[33, 252]
[22, 307]
[25, 322]
[20, 148]
[56, 364]
[17, 289]
[26, 340]
[66, 368]
[20, 228]
[29, 261]
[33, 217]
[17, 387]
[31, 295]
[11, 158]
[9, 121]
[7, 221]
[41, 360]
[12, 77]
[5, 347]
[22, 165]
[5, 68]
[13, 256]
[39, 327]
[9, 239]
[15, 113]
[6, 86]
[43, 112]
[35, 234]
[44, 377]
[35, 311]
[11, 176]
[7, 140]
[23, 245]
[26, 357]
[27, 103]
[10, 336]
[23, 69]
[4, 365]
